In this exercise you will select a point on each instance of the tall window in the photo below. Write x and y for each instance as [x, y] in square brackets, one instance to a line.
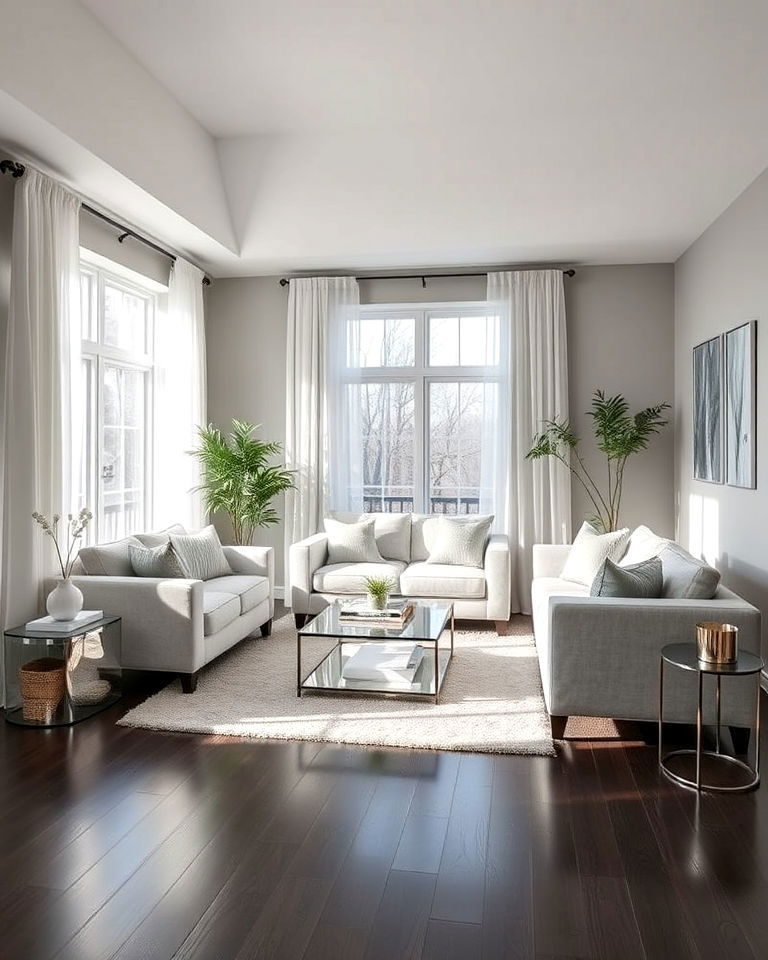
[424, 387]
[118, 316]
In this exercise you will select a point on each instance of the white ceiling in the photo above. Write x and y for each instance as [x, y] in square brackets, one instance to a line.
[426, 132]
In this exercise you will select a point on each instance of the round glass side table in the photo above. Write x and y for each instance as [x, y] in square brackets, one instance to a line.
[684, 656]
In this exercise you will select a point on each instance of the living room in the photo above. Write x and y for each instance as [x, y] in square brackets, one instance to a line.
[382, 494]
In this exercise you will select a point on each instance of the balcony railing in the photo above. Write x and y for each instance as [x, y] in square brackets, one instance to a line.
[442, 505]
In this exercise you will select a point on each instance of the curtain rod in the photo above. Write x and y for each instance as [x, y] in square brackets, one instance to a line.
[421, 276]
[17, 169]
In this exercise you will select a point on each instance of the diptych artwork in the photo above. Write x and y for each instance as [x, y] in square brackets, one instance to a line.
[707, 411]
[740, 396]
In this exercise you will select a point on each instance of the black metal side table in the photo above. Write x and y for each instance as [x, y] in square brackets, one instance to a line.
[55, 679]
[684, 656]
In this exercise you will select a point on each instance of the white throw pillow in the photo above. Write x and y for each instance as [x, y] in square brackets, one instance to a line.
[461, 541]
[590, 550]
[643, 545]
[391, 530]
[351, 542]
[200, 554]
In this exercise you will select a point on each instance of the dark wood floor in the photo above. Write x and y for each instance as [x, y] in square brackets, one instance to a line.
[131, 844]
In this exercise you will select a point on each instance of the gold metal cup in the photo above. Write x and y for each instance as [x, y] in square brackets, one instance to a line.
[717, 642]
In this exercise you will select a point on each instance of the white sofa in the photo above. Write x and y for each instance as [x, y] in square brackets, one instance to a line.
[599, 656]
[404, 541]
[178, 625]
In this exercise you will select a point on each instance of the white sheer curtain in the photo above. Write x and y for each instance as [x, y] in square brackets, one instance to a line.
[317, 428]
[40, 422]
[180, 400]
[537, 504]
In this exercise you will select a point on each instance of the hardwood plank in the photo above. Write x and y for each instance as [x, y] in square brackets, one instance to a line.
[421, 845]
[452, 941]
[611, 919]
[507, 930]
[400, 927]
[460, 887]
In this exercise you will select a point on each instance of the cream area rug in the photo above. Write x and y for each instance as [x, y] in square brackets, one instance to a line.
[490, 702]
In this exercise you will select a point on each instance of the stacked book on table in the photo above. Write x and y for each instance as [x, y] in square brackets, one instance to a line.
[390, 663]
[395, 614]
[47, 625]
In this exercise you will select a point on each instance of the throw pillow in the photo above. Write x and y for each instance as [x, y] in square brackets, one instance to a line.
[685, 577]
[156, 538]
[109, 559]
[200, 555]
[461, 541]
[160, 561]
[643, 544]
[391, 530]
[351, 542]
[641, 580]
[589, 551]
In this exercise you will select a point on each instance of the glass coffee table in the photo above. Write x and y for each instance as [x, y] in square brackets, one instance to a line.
[428, 626]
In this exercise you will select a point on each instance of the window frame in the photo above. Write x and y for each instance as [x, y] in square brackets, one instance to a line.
[422, 374]
[96, 355]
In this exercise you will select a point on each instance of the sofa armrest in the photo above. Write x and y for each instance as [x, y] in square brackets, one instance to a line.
[162, 620]
[305, 557]
[254, 561]
[498, 577]
[599, 656]
[549, 559]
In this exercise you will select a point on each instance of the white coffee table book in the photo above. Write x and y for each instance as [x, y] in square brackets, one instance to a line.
[49, 625]
[388, 662]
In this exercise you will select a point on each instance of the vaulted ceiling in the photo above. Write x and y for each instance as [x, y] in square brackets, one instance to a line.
[426, 133]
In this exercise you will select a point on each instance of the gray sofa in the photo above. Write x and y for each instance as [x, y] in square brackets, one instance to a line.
[599, 656]
[178, 625]
[404, 540]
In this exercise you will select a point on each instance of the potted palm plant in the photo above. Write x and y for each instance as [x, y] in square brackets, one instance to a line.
[238, 478]
[619, 436]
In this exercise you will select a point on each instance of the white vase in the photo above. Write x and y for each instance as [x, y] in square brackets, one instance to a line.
[65, 601]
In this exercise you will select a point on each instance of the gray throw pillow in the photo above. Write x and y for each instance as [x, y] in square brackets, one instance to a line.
[641, 580]
[109, 559]
[160, 561]
[685, 577]
[461, 541]
[351, 542]
[200, 555]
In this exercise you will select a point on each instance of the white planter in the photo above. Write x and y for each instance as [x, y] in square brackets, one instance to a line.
[65, 601]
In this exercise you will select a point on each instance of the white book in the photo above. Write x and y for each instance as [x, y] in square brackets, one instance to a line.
[49, 625]
[385, 662]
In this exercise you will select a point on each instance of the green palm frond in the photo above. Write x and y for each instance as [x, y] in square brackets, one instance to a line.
[238, 478]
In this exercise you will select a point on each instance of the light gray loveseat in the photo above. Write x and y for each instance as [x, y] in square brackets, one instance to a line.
[599, 656]
[404, 541]
[178, 625]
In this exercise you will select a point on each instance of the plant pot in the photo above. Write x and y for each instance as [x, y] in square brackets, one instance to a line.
[65, 601]
[377, 601]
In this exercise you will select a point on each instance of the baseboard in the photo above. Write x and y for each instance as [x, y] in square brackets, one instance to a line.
[279, 593]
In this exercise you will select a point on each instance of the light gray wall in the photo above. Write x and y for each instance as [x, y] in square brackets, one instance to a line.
[721, 281]
[621, 340]
[620, 337]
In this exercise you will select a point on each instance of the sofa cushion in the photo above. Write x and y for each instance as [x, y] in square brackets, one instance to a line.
[109, 559]
[461, 541]
[638, 580]
[351, 542]
[159, 537]
[251, 590]
[219, 610]
[643, 544]
[685, 577]
[392, 532]
[426, 579]
[349, 578]
[590, 549]
[200, 554]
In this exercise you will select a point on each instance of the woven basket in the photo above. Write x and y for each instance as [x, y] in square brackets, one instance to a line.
[42, 684]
